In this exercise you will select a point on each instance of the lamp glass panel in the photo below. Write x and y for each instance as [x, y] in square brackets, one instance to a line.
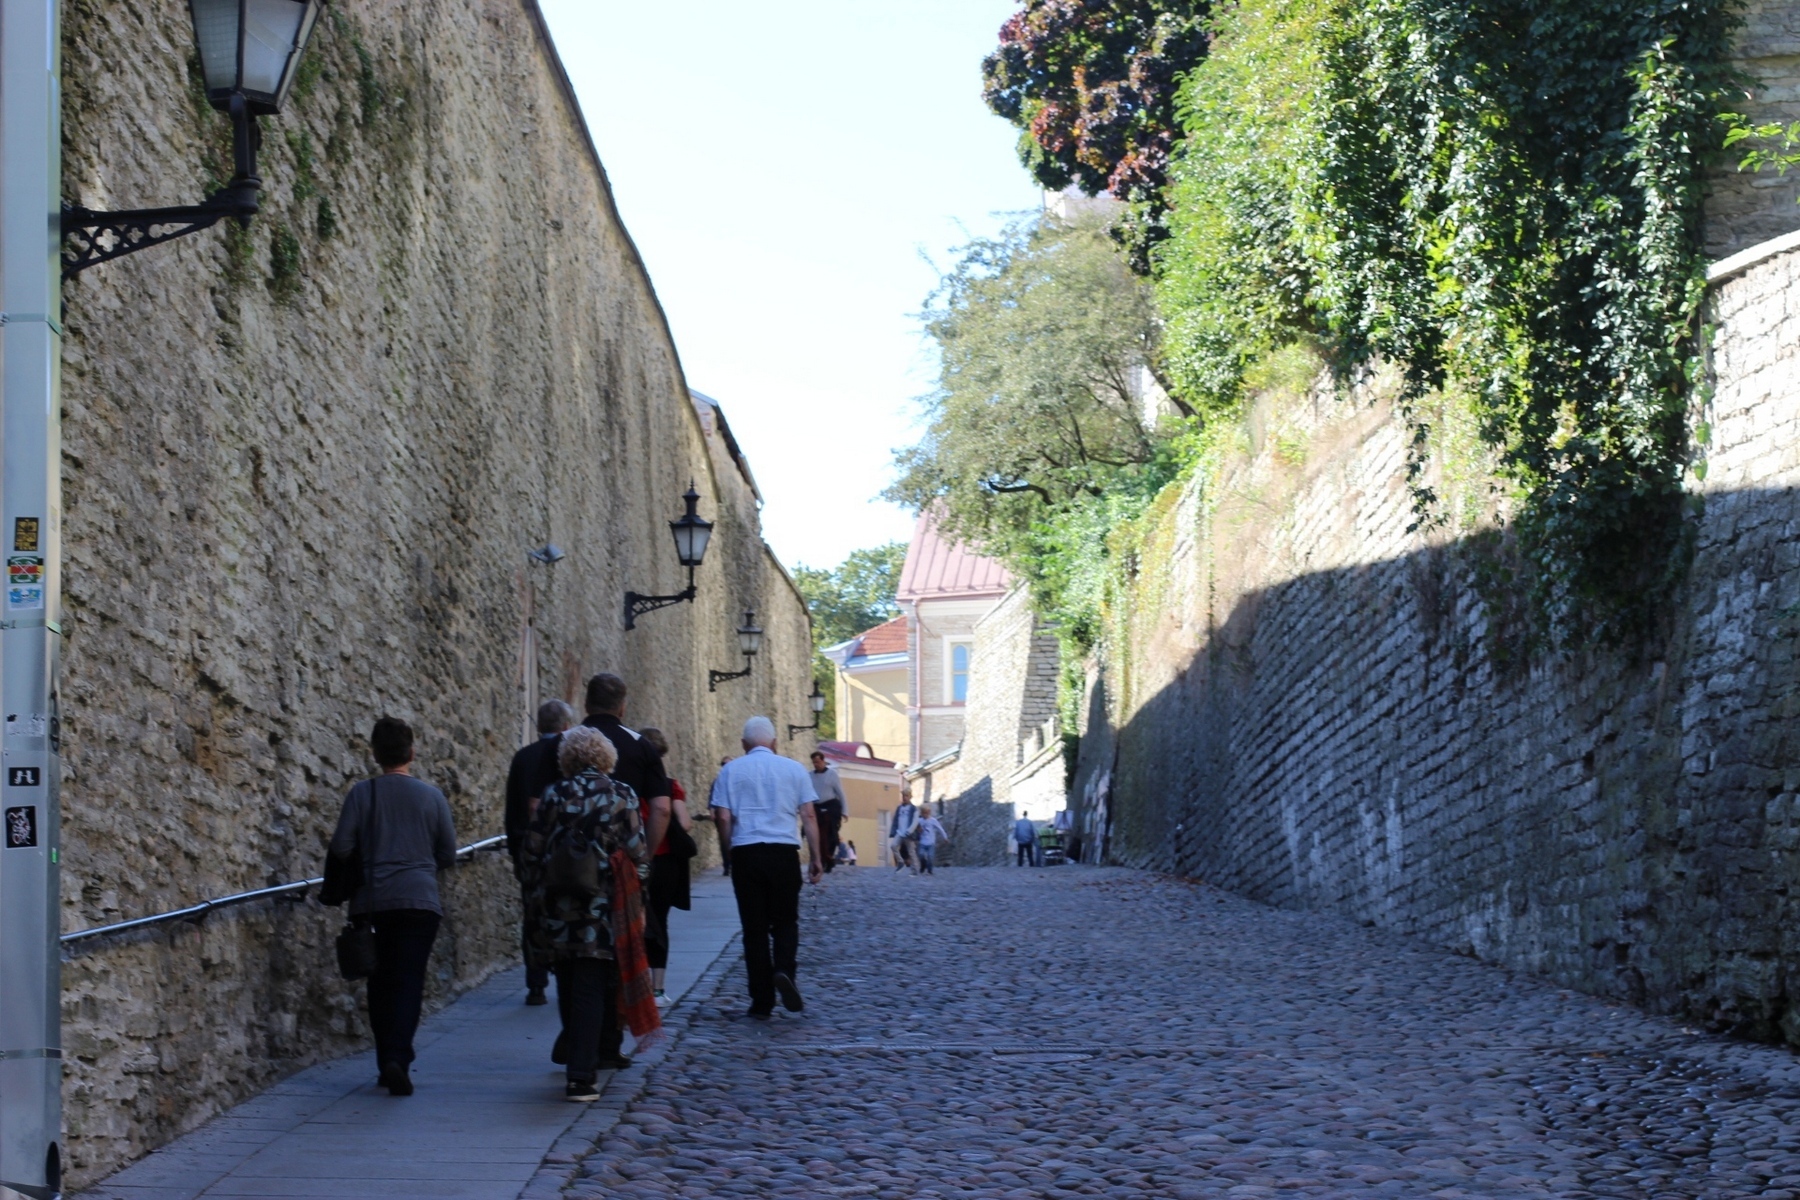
[817, 700]
[215, 35]
[271, 35]
[750, 639]
[690, 541]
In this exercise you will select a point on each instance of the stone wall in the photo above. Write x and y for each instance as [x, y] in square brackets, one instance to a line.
[1314, 707]
[303, 464]
[1009, 724]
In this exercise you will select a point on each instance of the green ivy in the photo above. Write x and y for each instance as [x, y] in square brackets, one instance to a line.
[1503, 198]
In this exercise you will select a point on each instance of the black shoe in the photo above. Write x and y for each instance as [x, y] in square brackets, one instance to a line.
[790, 995]
[758, 1012]
[581, 1093]
[395, 1079]
[614, 1062]
[559, 1053]
[535, 997]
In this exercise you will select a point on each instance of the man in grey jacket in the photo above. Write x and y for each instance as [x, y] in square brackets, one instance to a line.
[830, 807]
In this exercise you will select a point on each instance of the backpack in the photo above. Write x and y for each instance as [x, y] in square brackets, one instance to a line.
[575, 864]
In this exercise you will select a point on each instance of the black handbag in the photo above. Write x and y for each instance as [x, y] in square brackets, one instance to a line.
[356, 950]
[356, 956]
[681, 842]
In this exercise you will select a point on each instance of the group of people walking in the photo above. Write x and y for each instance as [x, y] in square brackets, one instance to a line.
[600, 838]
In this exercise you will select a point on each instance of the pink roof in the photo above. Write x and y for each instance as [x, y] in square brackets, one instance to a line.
[939, 569]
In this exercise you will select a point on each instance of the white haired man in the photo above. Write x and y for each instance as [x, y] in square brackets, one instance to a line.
[763, 804]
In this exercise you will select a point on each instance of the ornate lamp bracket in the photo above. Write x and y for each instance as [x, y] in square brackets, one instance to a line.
[715, 678]
[637, 604]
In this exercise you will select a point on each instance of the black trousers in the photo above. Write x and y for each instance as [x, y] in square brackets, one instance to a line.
[587, 999]
[1027, 854]
[403, 939]
[766, 879]
[537, 975]
[829, 824]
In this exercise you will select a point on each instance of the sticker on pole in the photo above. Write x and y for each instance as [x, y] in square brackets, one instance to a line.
[21, 827]
[25, 535]
[24, 581]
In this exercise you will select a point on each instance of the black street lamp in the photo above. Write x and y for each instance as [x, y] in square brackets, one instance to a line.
[692, 533]
[817, 702]
[249, 53]
[749, 641]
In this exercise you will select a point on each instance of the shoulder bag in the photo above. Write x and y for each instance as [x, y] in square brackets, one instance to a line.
[356, 955]
[573, 862]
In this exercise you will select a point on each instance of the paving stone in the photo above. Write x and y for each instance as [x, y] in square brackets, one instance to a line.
[1080, 1032]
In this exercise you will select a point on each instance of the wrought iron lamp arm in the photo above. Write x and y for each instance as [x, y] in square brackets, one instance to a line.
[715, 678]
[637, 604]
[90, 238]
[794, 729]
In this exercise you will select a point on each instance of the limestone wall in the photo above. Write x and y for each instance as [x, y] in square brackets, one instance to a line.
[302, 466]
[1309, 708]
[1007, 729]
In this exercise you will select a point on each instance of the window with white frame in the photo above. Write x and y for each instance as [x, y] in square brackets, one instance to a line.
[956, 664]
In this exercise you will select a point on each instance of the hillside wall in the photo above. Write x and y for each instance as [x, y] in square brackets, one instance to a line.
[303, 464]
[1310, 705]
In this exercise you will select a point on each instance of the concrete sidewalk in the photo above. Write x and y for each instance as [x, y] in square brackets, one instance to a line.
[488, 1109]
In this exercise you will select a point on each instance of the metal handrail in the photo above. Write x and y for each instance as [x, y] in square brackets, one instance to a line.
[197, 912]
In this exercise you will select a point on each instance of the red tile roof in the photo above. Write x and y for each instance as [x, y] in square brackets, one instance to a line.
[939, 569]
[886, 638]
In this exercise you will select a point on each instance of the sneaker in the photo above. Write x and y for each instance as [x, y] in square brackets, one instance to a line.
[758, 1013]
[535, 997]
[614, 1061]
[395, 1079]
[580, 1093]
[662, 999]
[790, 995]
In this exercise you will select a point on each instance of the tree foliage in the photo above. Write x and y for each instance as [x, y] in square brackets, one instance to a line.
[855, 595]
[1092, 86]
[1039, 421]
[845, 600]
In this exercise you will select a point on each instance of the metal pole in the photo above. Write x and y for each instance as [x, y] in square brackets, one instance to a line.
[30, 537]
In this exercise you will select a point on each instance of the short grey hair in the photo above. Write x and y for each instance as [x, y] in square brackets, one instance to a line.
[759, 731]
[554, 716]
[583, 747]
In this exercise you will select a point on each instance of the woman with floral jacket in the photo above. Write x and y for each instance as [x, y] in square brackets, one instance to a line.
[571, 932]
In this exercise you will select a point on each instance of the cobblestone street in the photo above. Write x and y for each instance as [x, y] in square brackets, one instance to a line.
[1071, 1031]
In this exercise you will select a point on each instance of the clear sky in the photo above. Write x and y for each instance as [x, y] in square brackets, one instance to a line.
[785, 168]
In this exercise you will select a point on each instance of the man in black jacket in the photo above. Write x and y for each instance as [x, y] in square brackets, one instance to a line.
[534, 769]
[640, 768]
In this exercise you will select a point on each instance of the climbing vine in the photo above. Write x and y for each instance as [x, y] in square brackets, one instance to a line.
[1501, 197]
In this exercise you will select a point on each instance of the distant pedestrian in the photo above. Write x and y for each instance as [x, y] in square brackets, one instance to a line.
[670, 874]
[576, 831]
[764, 806]
[830, 805]
[533, 769]
[846, 854]
[1025, 834]
[639, 767]
[903, 834]
[401, 828]
[931, 833]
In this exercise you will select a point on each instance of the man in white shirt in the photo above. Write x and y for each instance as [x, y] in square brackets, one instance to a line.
[763, 804]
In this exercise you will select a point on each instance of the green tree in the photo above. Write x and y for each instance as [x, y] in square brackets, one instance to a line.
[1038, 421]
[855, 595]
